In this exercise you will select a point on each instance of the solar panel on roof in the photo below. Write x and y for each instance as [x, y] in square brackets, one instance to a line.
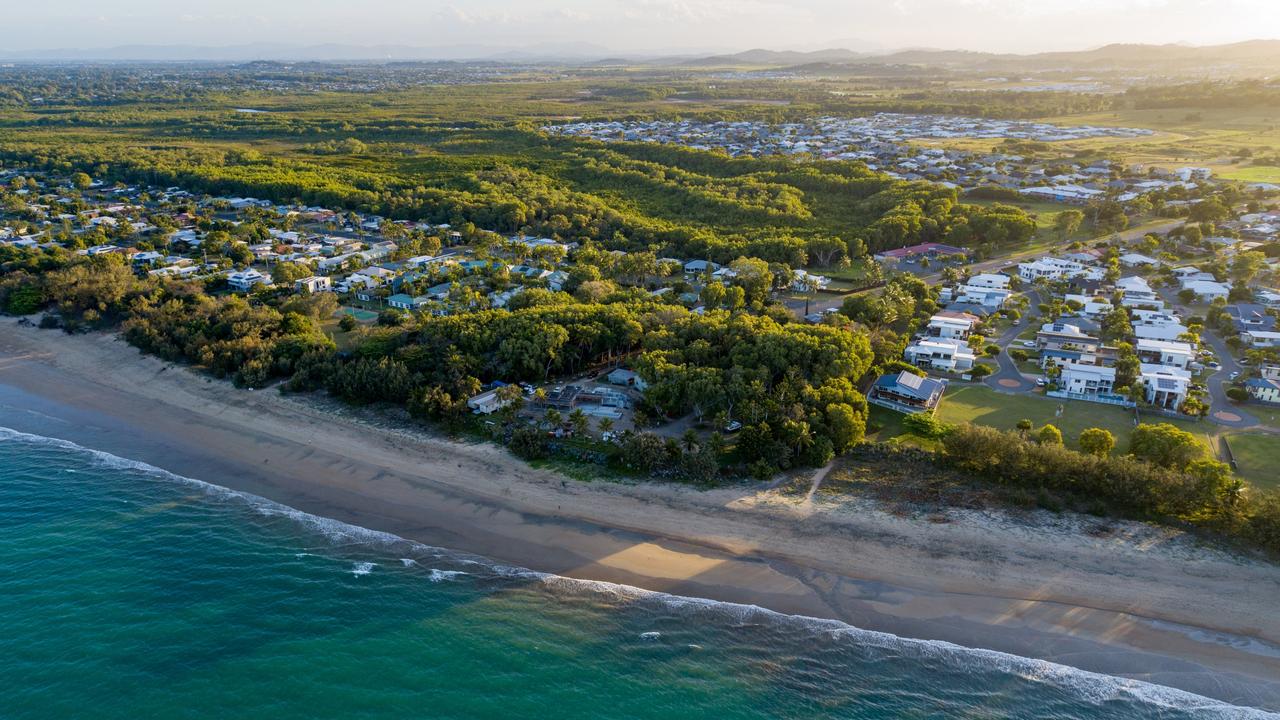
[910, 380]
[1166, 384]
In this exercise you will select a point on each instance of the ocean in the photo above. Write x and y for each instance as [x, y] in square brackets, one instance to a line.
[129, 592]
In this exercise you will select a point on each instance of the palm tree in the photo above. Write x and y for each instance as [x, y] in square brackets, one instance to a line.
[552, 417]
[605, 425]
[690, 439]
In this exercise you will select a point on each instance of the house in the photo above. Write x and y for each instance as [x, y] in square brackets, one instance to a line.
[1052, 268]
[1165, 387]
[1137, 260]
[1244, 316]
[988, 297]
[247, 280]
[907, 392]
[954, 325]
[802, 281]
[1060, 344]
[487, 402]
[946, 355]
[314, 284]
[376, 275]
[1261, 338]
[999, 281]
[1207, 290]
[1269, 298]
[1156, 324]
[1264, 390]
[1163, 352]
[627, 378]
[694, 268]
[1085, 380]
[401, 301]
[923, 250]
[1136, 292]
[1093, 308]
[148, 257]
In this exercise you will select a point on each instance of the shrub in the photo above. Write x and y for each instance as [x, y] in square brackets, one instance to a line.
[981, 371]
[1238, 394]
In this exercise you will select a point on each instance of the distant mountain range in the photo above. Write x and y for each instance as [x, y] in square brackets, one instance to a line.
[1253, 52]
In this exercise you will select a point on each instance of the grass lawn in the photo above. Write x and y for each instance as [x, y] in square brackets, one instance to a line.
[981, 405]
[1257, 457]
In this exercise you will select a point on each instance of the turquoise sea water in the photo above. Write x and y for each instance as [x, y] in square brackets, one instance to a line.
[128, 592]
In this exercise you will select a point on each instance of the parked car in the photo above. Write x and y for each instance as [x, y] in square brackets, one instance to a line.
[733, 426]
[1215, 365]
[1028, 343]
[1234, 375]
[1041, 382]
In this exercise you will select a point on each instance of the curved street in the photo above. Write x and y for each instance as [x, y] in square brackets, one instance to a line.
[1008, 378]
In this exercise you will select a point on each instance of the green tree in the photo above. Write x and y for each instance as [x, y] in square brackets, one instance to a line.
[1097, 441]
[1067, 222]
[1165, 445]
[1049, 435]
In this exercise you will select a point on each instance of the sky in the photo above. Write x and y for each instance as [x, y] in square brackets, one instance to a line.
[641, 26]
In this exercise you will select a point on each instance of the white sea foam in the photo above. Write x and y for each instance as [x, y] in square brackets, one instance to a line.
[408, 562]
[653, 635]
[443, 575]
[1091, 686]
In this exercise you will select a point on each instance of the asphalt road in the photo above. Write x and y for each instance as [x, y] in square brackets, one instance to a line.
[1009, 379]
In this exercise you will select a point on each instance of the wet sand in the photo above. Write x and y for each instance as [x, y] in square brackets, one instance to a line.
[1144, 603]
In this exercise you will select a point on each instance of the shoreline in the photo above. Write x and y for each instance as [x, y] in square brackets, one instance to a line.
[1147, 605]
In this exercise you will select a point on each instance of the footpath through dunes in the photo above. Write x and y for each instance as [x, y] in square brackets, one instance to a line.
[1140, 604]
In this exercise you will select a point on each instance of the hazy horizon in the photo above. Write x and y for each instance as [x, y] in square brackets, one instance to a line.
[645, 26]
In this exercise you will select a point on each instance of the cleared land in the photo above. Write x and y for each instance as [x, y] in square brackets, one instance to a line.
[1257, 457]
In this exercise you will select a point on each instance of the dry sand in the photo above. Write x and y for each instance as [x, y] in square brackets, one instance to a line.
[1142, 602]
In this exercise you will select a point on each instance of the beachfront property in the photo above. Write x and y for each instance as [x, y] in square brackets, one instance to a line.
[1083, 381]
[487, 402]
[907, 392]
[1165, 387]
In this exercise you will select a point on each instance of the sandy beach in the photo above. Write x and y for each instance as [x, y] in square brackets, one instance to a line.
[1142, 602]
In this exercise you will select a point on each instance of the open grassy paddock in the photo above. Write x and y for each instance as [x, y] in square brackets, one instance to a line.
[981, 405]
[1257, 458]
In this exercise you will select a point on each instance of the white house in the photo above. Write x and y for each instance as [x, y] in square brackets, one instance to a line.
[1261, 338]
[950, 325]
[1166, 387]
[1137, 292]
[1052, 268]
[315, 284]
[1163, 352]
[947, 355]
[1078, 379]
[247, 280]
[1090, 307]
[1156, 325]
[1207, 290]
[1137, 260]
[999, 281]
[486, 403]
